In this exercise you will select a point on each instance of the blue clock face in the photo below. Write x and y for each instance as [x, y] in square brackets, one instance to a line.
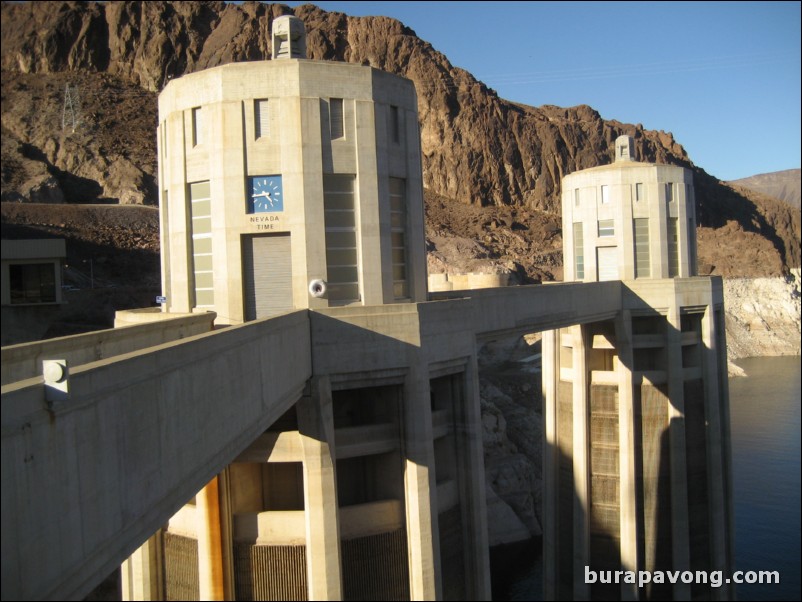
[266, 195]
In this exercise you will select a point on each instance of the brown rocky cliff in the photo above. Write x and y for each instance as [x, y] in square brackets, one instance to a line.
[477, 148]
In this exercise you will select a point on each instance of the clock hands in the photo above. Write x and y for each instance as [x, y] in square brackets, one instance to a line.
[267, 195]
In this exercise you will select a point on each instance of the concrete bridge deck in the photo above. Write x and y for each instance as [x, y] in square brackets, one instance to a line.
[85, 483]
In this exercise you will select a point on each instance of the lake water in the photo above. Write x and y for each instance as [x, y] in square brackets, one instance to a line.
[765, 423]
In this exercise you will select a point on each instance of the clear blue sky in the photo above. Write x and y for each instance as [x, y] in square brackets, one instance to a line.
[723, 77]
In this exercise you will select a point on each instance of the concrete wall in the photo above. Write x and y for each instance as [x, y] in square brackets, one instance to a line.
[471, 280]
[84, 485]
[19, 252]
[583, 203]
[637, 442]
[25, 360]
[298, 150]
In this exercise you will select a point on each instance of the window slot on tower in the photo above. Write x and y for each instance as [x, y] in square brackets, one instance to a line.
[642, 260]
[605, 195]
[669, 192]
[673, 247]
[336, 118]
[202, 264]
[341, 248]
[261, 118]
[640, 192]
[579, 252]
[395, 125]
[197, 126]
[398, 234]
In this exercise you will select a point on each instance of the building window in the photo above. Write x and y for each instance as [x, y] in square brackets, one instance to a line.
[336, 118]
[200, 211]
[576, 197]
[606, 227]
[341, 249]
[398, 235]
[197, 126]
[261, 118]
[691, 247]
[642, 263]
[640, 192]
[579, 252]
[605, 195]
[395, 124]
[669, 192]
[673, 248]
[32, 283]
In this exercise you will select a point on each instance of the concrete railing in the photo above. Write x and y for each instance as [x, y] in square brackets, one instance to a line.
[25, 360]
[468, 281]
[86, 481]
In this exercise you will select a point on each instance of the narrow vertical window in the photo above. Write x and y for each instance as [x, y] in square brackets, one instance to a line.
[673, 248]
[605, 195]
[336, 118]
[691, 247]
[642, 263]
[341, 249]
[261, 118]
[202, 267]
[579, 252]
[197, 126]
[576, 197]
[398, 235]
[640, 193]
[669, 193]
[395, 125]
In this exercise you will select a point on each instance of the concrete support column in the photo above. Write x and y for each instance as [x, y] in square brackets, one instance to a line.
[316, 426]
[626, 445]
[680, 542]
[716, 465]
[143, 572]
[211, 581]
[226, 533]
[472, 481]
[581, 446]
[420, 487]
[551, 459]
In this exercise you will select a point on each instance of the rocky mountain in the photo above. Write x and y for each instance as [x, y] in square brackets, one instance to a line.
[785, 185]
[478, 149]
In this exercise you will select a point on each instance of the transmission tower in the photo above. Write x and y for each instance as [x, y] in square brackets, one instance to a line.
[71, 113]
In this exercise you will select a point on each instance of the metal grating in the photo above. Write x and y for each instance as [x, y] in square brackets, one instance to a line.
[376, 567]
[180, 567]
[270, 572]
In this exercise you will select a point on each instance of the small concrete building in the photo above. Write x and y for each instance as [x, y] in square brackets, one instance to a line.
[31, 272]
[628, 220]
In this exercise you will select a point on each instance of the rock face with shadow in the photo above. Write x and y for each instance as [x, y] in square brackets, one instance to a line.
[512, 422]
[478, 149]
